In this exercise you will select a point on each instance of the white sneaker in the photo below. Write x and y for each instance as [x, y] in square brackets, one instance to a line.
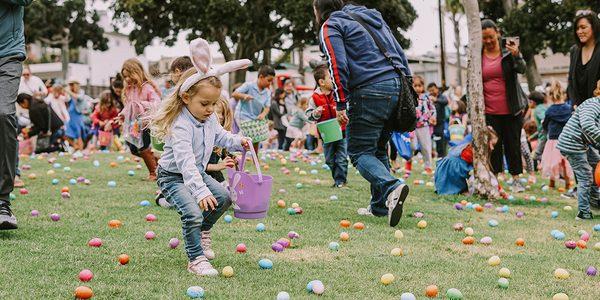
[365, 211]
[395, 201]
[201, 267]
[206, 243]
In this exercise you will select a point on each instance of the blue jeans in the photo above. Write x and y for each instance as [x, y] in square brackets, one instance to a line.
[336, 157]
[583, 165]
[193, 219]
[371, 107]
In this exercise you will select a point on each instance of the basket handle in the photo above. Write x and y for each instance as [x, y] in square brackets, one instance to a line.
[256, 163]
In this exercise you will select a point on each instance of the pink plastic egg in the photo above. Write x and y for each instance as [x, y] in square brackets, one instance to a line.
[571, 244]
[23, 191]
[86, 275]
[150, 218]
[241, 248]
[150, 235]
[173, 243]
[95, 242]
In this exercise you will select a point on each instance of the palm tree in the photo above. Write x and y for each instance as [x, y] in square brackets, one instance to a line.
[486, 184]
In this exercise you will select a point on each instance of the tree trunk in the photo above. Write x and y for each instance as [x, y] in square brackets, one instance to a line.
[266, 56]
[508, 6]
[64, 53]
[485, 182]
[533, 75]
[456, 25]
[301, 60]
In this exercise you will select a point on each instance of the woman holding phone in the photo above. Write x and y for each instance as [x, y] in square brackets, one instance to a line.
[505, 101]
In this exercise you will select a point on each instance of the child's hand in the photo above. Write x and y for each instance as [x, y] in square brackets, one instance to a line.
[228, 162]
[209, 202]
[433, 121]
[246, 143]
[318, 112]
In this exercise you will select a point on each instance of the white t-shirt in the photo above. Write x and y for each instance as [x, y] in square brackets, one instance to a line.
[34, 84]
[59, 106]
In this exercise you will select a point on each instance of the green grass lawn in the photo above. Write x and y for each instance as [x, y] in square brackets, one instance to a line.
[41, 260]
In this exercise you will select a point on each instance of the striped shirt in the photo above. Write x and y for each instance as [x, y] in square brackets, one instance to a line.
[583, 128]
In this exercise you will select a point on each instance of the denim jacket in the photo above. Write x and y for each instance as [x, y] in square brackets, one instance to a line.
[188, 148]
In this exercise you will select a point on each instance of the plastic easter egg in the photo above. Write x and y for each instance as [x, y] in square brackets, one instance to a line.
[520, 214]
[281, 203]
[298, 210]
[454, 294]
[581, 244]
[95, 242]
[67, 169]
[597, 246]
[504, 273]
[114, 223]
[291, 211]
[386, 279]
[561, 273]
[559, 236]
[560, 296]
[493, 223]
[260, 227]
[241, 248]
[96, 163]
[195, 292]
[585, 237]
[317, 287]
[397, 252]
[345, 223]
[138, 167]
[494, 261]
[265, 264]
[469, 231]
[314, 172]
[65, 195]
[431, 291]
[23, 191]
[150, 235]
[333, 197]
[32, 176]
[150, 218]
[112, 184]
[567, 208]
[334, 246]
[422, 224]
[86, 275]
[227, 272]
[83, 292]
[408, 296]
[359, 226]
[12, 197]
[486, 240]
[145, 203]
[228, 219]
[57, 166]
[55, 181]
[55, 217]
[398, 234]
[458, 206]
[277, 247]
[503, 283]
[520, 242]
[511, 198]
[35, 213]
[131, 172]
[570, 244]
[505, 208]
[299, 185]
[418, 214]
[597, 227]
[344, 236]
[554, 214]
[469, 205]
[468, 240]
[532, 198]
[293, 235]
[544, 200]
[283, 296]
[173, 243]
[458, 226]
[591, 271]
[545, 188]
[295, 205]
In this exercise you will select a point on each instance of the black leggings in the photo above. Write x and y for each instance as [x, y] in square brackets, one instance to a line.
[145, 139]
[508, 128]
[280, 138]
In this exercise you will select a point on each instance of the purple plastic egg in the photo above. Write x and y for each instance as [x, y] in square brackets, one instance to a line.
[591, 271]
[488, 205]
[35, 213]
[458, 206]
[284, 243]
[80, 179]
[277, 247]
[498, 209]
[293, 235]
[55, 217]
[571, 244]
[520, 214]
[418, 214]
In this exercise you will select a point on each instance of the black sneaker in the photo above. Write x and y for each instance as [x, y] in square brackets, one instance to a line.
[584, 216]
[395, 201]
[7, 218]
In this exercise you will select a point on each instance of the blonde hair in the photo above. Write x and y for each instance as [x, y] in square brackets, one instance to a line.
[555, 92]
[135, 71]
[227, 114]
[597, 90]
[162, 119]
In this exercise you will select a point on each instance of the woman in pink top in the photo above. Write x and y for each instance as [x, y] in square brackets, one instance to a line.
[139, 96]
[505, 101]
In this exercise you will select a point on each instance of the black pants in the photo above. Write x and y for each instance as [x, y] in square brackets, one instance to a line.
[441, 144]
[145, 139]
[508, 128]
[280, 138]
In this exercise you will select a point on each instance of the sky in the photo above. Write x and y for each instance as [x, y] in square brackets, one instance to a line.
[424, 34]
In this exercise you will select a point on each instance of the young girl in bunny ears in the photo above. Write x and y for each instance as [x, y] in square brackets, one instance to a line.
[190, 129]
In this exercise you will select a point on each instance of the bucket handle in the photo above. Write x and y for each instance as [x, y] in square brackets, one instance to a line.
[256, 163]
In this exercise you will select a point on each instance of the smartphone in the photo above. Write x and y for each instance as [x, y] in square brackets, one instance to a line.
[511, 40]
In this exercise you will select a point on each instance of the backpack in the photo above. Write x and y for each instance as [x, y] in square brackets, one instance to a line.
[405, 118]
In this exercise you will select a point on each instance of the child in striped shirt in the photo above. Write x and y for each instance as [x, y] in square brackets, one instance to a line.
[579, 142]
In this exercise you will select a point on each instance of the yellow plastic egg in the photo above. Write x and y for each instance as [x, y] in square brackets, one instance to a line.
[32, 176]
[422, 224]
[295, 205]
[227, 272]
[397, 252]
[469, 231]
[387, 278]
[561, 273]
[504, 273]
[398, 234]
[567, 208]
[494, 261]
[597, 246]
[560, 296]
[50, 172]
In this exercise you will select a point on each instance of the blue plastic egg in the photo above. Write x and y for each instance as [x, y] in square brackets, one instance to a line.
[260, 227]
[72, 181]
[112, 184]
[120, 158]
[493, 223]
[597, 227]
[334, 246]
[195, 292]
[55, 181]
[228, 219]
[145, 203]
[511, 198]
[407, 296]
[265, 264]
[554, 214]
[505, 208]
[131, 172]
[96, 163]
[56, 165]
[469, 205]
[325, 167]
[314, 172]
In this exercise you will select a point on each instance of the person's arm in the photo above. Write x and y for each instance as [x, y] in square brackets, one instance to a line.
[226, 139]
[185, 160]
[264, 113]
[400, 52]
[519, 64]
[96, 117]
[332, 43]
[151, 93]
[242, 93]
[311, 111]
[588, 118]
[17, 2]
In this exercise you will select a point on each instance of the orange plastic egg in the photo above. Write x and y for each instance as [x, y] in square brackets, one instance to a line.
[479, 208]
[114, 223]
[345, 223]
[359, 226]
[520, 242]
[281, 203]
[431, 291]
[113, 164]
[64, 189]
[123, 259]
[464, 202]
[266, 167]
[83, 292]
[582, 244]
[561, 190]
[597, 174]
[344, 236]
[468, 240]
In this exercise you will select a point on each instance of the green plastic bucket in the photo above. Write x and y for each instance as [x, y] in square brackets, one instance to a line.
[156, 144]
[330, 130]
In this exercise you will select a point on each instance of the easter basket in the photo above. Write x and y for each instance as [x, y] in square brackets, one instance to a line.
[250, 193]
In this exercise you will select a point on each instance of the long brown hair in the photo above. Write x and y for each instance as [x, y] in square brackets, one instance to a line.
[133, 69]
[106, 101]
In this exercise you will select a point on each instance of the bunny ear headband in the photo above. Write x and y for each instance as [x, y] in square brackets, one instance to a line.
[202, 60]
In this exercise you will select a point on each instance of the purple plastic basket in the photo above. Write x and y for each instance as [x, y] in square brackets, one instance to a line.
[250, 193]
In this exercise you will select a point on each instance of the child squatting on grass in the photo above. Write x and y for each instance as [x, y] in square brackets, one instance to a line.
[190, 129]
